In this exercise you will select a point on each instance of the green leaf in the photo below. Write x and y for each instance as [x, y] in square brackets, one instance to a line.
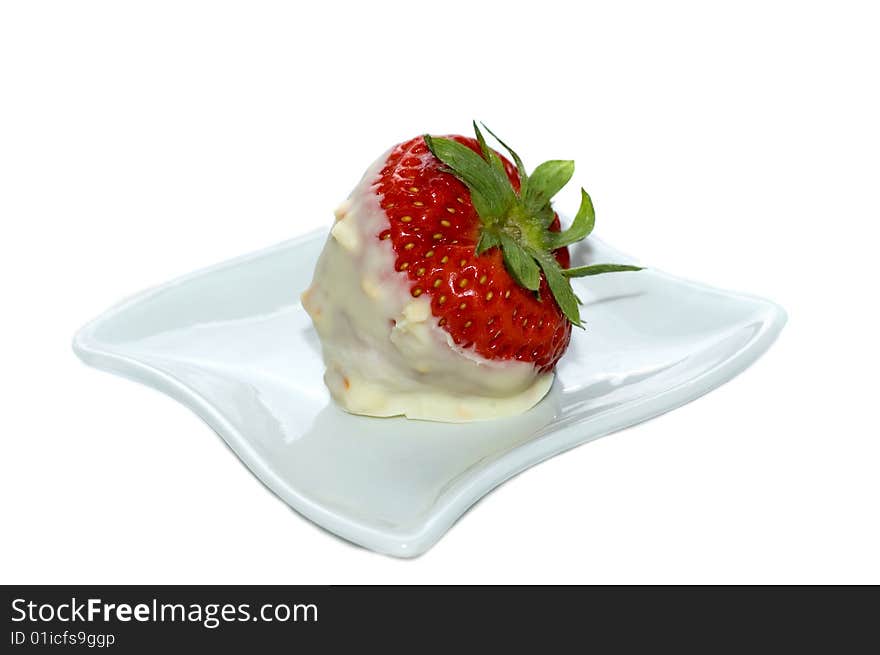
[520, 167]
[493, 187]
[520, 264]
[488, 239]
[488, 154]
[545, 182]
[598, 269]
[484, 209]
[580, 227]
[561, 289]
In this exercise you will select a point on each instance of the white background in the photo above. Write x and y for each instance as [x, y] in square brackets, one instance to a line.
[736, 145]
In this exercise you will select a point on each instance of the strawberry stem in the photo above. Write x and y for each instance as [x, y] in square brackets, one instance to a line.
[518, 222]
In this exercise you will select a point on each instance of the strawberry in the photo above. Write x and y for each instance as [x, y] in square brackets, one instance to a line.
[478, 236]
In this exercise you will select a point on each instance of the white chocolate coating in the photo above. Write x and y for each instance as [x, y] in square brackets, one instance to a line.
[385, 353]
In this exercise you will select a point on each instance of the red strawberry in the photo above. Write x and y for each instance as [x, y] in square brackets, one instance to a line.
[479, 237]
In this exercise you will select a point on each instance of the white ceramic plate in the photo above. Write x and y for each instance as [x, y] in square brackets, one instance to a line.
[233, 343]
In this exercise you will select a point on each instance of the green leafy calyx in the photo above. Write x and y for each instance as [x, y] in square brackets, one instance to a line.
[518, 222]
